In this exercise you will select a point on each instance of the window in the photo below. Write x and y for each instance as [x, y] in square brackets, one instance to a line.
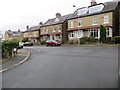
[93, 32]
[46, 30]
[53, 29]
[44, 37]
[94, 20]
[42, 30]
[106, 19]
[56, 20]
[25, 35]
[96, 8]
[107, 32]
[79, 22]
[76, 34]
[71, 34]
[30, 34]
[34, 33]
[71, 24]
[82, 11]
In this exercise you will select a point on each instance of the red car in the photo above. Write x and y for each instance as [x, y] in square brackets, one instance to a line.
[53, 43]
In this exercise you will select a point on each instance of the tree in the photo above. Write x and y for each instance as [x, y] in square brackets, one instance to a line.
[102, 34]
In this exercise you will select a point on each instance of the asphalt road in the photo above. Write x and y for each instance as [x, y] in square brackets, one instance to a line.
[66, 67]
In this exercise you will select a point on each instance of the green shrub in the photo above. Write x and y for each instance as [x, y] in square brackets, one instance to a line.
[43, 42]
[86, 39]
[25, 40]
[7, 47]
[92, 39]
[82, 40]
[116, 39]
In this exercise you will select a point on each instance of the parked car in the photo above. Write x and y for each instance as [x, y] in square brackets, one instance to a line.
[53, 43]
[20, 45]
[28, 44]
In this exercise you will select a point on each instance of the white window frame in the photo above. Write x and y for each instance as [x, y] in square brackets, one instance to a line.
[53, 29]
[43, 30]
[108, 32]
[96, 8]
[30, 33]
[106, 19]
[95, 21]
[35, 34]
[25, 35]
[82, 11]
[71, 24]
[72, 34]
[46, 30]
[93, 31]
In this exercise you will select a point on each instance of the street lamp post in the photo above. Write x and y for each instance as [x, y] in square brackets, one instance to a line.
[77, 22]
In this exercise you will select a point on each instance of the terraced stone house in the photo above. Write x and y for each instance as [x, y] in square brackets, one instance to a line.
[55, 29]
[13, 35]
[33, 34]
[86, 21]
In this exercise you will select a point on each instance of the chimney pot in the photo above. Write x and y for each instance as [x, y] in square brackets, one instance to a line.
[40, 23]
[27, 27]
[18, 30]
[58, 15]
[93, 2]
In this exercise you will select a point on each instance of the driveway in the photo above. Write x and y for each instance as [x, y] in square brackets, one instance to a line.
[66, 67]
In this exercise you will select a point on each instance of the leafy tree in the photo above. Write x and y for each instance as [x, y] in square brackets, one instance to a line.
[102, 34]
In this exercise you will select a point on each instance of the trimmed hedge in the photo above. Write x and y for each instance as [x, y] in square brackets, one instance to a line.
[43, 42]
[25, 40]
[8, 46]
[116, 40]
[82, 40]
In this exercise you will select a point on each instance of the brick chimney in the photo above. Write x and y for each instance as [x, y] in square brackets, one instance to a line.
[58, 15]
[93, 2]
[27, 27]
[40, 23]
[18, 30]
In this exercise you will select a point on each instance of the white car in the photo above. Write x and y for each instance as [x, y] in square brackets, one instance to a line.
[21, 45]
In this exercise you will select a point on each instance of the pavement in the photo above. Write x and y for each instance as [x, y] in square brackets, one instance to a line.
[15, 61]
[66, 67]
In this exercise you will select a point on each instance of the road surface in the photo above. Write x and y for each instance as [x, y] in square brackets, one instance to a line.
[66, 67]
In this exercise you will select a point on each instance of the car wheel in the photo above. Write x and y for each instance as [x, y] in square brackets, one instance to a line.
[47, 45]
[53, 44]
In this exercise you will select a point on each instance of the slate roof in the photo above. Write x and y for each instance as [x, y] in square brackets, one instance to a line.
[108, 6]
[53, 20]
[13, 33]
[34, 28]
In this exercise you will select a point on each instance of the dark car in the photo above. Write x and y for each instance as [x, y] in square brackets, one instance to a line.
[53, 43]
[28, 44]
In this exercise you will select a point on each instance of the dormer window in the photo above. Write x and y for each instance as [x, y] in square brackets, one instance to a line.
[96, 8]
[56, 20]
[82, 11]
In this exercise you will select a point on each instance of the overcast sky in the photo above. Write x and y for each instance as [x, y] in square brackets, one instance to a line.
[17, 14]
